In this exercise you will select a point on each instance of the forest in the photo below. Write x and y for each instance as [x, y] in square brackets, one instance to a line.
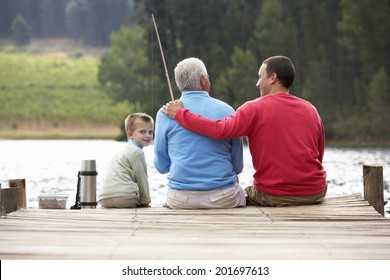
[340, 49]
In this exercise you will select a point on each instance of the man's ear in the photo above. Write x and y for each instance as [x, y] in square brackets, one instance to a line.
[129, 134]
[274, 77]
[203, 80]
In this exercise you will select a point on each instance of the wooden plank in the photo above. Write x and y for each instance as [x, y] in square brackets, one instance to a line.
[373, 187]
[339, 228]
[14, 197]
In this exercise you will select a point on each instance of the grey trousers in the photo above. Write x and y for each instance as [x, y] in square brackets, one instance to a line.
[120, 202]
[226, 198]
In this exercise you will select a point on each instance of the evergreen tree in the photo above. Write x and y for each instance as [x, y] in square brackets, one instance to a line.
[20, 31]
[364, 29]
[379, 104]
[75, 18]
[237, 84]
[92, 21]
[275, 33]
[52, 18]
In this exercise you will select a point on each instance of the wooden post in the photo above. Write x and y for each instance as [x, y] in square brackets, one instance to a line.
[373, 187]
[14, 197]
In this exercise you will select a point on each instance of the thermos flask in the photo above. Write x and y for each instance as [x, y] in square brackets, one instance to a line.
[88, 184]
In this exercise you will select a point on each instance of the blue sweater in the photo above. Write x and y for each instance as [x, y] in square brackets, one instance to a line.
[196, 162]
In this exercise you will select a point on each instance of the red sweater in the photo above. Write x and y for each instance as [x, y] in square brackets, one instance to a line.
[286, 141]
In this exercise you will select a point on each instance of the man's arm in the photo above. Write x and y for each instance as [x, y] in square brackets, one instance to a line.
[141, 177]
[162, 161]
[232, 127]
[237, 155]
[321, 143]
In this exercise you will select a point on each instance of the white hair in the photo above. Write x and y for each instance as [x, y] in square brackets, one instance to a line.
[188, 73]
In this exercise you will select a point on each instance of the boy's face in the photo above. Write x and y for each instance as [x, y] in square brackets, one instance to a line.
[142, 134]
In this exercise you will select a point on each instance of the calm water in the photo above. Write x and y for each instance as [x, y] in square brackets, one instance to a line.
[51, 166]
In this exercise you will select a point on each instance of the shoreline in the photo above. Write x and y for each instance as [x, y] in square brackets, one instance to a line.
[44, 130]
[107, 132]
[113, 132]
[357, 143]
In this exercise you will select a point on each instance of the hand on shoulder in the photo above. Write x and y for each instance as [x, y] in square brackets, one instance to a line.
[170, 109]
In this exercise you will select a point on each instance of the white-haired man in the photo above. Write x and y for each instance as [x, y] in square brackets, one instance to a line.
[202, 171]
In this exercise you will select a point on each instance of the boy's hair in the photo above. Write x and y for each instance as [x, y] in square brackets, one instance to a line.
[132, 118]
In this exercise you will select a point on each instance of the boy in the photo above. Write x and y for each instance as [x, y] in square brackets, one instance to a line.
[126, 182]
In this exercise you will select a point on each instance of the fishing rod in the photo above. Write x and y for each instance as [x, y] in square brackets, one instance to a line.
[163, 58]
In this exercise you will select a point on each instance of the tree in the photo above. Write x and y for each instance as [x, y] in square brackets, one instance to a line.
[92, 21]
[125, 70]
[52, 18]
[75, 18]
[20, 31]
[379, 104]
[320, 66]
[364, 31]
[209, 30]
[237, 83]
[274, 33]
[363, 27]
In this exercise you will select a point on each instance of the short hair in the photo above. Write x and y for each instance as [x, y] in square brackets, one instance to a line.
[188, 73]
[283, 67]
[131, 119]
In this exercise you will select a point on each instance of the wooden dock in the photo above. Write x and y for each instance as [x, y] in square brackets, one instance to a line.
[340, 228]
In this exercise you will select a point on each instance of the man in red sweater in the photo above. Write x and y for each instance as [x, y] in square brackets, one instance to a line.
[285, 136]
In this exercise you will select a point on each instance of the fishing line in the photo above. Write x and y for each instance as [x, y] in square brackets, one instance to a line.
[152, 66]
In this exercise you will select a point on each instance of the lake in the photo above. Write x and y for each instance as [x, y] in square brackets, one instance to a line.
[51, 166]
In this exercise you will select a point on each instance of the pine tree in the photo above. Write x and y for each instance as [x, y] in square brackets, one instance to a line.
[20, 31]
